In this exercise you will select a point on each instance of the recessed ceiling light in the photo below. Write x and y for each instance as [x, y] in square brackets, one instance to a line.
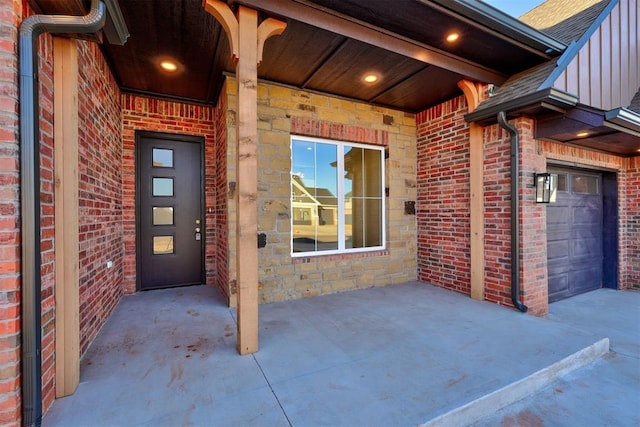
[582, 134]
[452, 37]
[370, 78]
[169, 66]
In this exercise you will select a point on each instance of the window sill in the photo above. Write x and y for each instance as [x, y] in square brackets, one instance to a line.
[337, 257]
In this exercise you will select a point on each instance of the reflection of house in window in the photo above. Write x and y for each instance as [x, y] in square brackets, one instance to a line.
[313, 206]
[363, 205]
[340, 207]
[301, 216]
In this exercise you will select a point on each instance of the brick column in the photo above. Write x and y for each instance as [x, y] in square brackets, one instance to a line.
[533, 224]
[9, 222]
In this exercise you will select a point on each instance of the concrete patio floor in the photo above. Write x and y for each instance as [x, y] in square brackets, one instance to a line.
[395, 356]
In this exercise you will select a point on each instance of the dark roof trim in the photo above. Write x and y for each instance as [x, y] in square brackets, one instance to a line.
[624, 120]
[551, 96]
[576, 45]
[494, 19]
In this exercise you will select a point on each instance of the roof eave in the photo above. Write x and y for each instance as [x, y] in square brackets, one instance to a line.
[505, 24]
[624, 120]
[550, 96]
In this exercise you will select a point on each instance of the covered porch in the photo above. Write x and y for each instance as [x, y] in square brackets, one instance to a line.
[398, 355]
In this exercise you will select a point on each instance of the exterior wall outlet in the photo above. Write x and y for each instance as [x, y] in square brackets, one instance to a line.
[109, 264]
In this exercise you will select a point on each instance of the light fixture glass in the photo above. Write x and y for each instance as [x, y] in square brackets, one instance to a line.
[452, 37]
[582, 134]
[543, 184]
[370, 78]
[168, 65]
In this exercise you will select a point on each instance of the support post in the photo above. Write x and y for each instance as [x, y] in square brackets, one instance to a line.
[65, 81]
[247, 40]
[247, 179]
[473, 95]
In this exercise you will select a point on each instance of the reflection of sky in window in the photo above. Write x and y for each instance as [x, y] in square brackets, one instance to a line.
[315, 164]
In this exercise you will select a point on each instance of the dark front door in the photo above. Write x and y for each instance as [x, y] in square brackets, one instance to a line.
[170, 221]
[575, 234]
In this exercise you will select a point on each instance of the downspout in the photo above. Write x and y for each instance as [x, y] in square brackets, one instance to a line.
[515, 213]
[31, 344]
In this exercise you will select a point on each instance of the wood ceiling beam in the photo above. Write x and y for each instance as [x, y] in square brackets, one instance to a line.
[311, 14]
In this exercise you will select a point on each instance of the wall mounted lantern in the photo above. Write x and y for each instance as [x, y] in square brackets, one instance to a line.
[542, 182]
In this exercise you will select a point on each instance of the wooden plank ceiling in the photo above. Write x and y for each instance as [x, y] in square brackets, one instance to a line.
[305, 56]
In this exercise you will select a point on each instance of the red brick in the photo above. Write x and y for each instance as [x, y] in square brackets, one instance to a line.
[149, 114]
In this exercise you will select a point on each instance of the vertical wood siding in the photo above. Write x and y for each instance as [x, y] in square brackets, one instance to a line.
[606, 72]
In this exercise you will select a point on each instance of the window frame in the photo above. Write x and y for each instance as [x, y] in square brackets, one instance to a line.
[342, 249]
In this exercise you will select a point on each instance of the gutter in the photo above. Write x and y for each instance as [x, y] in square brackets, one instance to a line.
[31, 344]
[549, 96]
[623, 120]
[515, 213]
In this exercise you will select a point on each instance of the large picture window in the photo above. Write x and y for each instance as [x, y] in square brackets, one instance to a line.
[337, 197]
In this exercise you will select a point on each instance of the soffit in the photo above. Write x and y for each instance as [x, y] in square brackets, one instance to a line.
[310, 56]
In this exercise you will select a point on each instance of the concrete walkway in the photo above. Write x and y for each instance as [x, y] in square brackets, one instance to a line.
[604, 393]
[396, 356]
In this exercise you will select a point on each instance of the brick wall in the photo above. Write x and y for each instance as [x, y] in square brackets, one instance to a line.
[99, 133]
[443, 211]
[532, 220]
[222, 199]
[149, 114]
[443, 206]
[100, 187]
[10, 15]
[630, 268]
[285, 111]
[47, 224]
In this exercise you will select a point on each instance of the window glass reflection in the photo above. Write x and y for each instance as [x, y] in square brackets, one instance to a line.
[162, 245]
[363, 204]
[337, 194]
[162, 215]
[314, 187]
[163, 187]
[162, 158]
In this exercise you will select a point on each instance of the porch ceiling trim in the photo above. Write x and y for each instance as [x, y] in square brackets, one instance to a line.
[311, 14]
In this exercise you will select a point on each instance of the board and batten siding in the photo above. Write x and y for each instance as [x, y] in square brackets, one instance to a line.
[606, 71]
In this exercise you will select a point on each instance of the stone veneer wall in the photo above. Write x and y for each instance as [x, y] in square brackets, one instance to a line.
[284, 111]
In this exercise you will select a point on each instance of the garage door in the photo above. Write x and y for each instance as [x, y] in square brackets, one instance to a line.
[574, 234]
